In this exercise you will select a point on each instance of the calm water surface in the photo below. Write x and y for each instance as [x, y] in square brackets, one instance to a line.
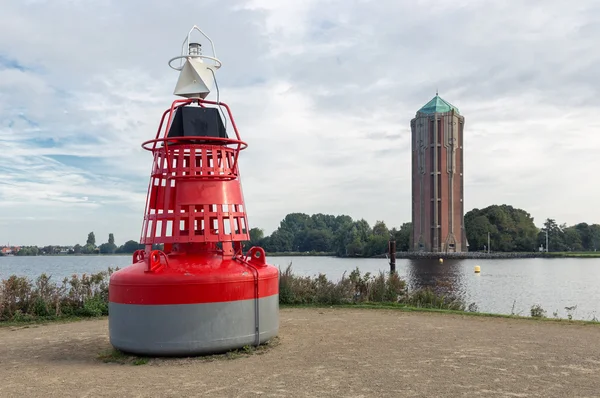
[503, 284]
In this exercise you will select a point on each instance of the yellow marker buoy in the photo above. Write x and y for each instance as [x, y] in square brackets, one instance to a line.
[477, 269]
[441, 260]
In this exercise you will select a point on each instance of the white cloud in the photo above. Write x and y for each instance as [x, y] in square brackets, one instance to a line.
[323, 92]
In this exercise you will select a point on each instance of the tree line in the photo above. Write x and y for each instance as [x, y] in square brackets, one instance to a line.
[109, 247]
[341, 235]
[510, 230]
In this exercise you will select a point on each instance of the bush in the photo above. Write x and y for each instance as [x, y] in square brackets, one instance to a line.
[429, 298]
[357, 288]
[87, 295]
[22, 300]
[537, 311]
[305, 290]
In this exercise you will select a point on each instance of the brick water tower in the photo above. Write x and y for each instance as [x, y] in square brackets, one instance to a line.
[437, 178]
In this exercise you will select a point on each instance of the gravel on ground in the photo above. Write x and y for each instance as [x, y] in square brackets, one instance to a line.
[326, 352]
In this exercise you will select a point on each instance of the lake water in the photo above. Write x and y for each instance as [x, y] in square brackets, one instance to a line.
[503, 286]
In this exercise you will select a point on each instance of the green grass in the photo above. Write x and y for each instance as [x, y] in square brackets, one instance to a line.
[115, 356]
[119, 357]
[572, 254]
[124, 358]
[36, 321]
[404, 308]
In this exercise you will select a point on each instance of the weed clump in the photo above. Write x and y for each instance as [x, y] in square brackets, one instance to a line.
[357, 288]
[80, 296]
[537, 311]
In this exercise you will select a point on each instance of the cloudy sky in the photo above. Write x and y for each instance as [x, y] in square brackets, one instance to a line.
[323, 92]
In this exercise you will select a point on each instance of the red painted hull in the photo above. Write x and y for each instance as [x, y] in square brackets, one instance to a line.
[192, 279]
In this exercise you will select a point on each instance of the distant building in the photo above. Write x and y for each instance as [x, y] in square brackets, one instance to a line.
[437, 178]
[9, 250]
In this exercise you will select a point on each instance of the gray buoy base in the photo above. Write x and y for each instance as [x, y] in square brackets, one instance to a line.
[191, 329]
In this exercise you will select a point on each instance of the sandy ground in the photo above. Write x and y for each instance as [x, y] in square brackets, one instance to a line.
[323, 353]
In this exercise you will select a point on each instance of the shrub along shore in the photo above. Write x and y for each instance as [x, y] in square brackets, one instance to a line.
[24, 300]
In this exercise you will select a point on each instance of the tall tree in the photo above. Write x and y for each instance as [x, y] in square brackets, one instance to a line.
[256, 237]
[402, 237]
[109, 247]
[573, 239]
[510, 229]
[594, 237]
[91, 240]
[129, 247]
[380, 229]
[556, 238]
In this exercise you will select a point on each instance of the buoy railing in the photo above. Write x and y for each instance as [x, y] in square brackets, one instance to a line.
[170, 159]
[178, 160]
[201, 102]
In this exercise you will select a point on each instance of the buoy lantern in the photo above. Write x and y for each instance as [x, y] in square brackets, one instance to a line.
[200, 294]
[477, 269]
[441, 260]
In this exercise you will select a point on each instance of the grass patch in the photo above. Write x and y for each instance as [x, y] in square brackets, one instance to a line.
[405, 308]
[116, 356]
[248, 350]
[36, 321]
[244, 352]
[140, 361]
[572, 254]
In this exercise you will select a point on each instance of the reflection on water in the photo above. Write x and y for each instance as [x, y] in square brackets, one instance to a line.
[433, 274]
[504, 286]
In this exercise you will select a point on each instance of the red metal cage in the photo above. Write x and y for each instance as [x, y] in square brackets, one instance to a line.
[194, 194]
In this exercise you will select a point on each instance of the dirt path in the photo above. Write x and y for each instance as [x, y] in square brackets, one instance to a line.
[323, 353]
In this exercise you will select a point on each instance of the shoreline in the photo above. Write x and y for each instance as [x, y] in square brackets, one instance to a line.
[496, 255]
[399, 255]
[364, 306]
[24, 303]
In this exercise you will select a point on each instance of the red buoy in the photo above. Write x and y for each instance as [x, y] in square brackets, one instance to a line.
[200, 293]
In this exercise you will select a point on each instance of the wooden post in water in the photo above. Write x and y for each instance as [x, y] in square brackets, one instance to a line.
[392, 254]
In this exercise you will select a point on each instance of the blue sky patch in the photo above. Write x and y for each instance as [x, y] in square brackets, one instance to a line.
[80, 162]
[10, 63]
[30, 122]
[40, 142]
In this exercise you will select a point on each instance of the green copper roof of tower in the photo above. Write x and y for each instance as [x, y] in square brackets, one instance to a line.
[437, 104]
